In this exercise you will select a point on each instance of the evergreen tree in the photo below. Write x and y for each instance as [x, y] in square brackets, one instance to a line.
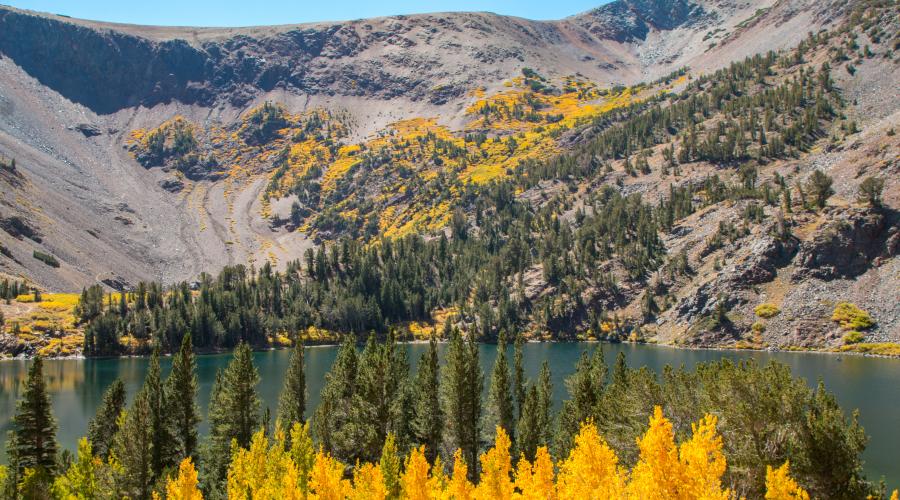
[292, 403]
[499, 411]
[331, 420]
[162, 443]
[461, 384]
[382, 376]
[181, 395]
[234, 413]
[518, 374]
[545, 404]
[428, 420]
[870, 190]
[528, 431]
[103, 426]
[819, 187]
[585, 388]
[34, 427]
[133, 448]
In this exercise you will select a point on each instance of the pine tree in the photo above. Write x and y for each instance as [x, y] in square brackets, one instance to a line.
[819, 187]
[292, 403]
[133, 448]
[103, 426]
[181, 395]
[329, 422]
[499, 411]
[585, 388]
[34, 427]
[162, 444]
[383, 406]
[528, 431]
[234, 413]
[545, 404]
[461, 384]
[518, 375]
[428, 419]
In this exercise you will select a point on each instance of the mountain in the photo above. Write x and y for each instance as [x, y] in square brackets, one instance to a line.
[160, 153]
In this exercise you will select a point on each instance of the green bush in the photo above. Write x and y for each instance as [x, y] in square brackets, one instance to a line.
[853, 337]
[46, 258]
[766, 310]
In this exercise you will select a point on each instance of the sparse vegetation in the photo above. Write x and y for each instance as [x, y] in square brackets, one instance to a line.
[766, 311]
[851, 317]
[45, 258]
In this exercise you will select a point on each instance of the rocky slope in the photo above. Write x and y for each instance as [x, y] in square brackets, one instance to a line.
[136, 156]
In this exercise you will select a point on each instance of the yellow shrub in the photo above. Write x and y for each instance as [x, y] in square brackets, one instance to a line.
[853, 337]
[851, 317]
[766, 311]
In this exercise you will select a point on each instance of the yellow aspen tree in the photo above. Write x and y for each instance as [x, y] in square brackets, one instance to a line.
[895, 495]
[460, 488]
[80, 480]
[780, 485]
[184, 485]
[703, 461]
[263, 471]
[535, 481]
[368, 483]
[658, 474]
[592, 469]
[437, 482]
[414, 480]
[326, 479]
[495, 482]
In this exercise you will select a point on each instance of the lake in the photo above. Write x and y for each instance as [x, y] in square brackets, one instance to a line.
[870, 384]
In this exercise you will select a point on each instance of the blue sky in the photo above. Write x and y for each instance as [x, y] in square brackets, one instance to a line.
[257, 12]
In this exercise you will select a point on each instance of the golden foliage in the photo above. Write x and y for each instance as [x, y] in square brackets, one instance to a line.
[326, 479]
[184, 485]
[766, 311]
[495, 481]
[780, 485]
[535, 481]
[263, 471]
[414, 480]
[591, 470]
[460, 488]
[851, 317]
[368, 483]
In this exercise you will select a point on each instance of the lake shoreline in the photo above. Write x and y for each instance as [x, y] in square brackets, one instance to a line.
[332, 343]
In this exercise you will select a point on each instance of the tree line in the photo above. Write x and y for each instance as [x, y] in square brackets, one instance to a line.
[373, 410]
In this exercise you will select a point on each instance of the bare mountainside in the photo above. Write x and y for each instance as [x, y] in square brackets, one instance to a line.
[134, 153]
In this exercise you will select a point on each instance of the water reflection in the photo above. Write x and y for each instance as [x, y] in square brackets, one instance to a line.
[870, 384]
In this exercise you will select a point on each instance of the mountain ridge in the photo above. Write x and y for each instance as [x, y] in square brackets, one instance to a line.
[390, 127]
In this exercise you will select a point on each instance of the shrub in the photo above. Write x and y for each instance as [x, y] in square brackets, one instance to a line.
[758, 327]
[853, 337]
[851, 317]
[766, 310]
[46, 258]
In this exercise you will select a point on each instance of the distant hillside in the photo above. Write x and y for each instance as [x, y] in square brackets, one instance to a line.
[642, 170]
